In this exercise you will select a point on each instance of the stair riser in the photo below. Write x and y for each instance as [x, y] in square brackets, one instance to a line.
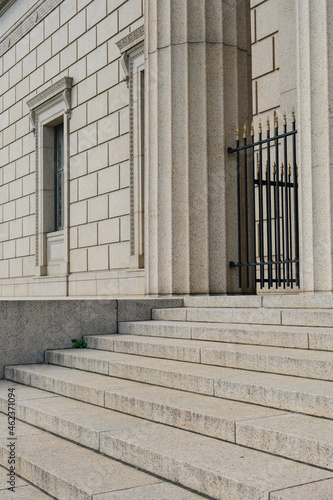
[224, 301]
[308, 368]
[156, 330]
[286, 445]
[301, 402]
[248, 435]
[50, 483]
[220, 315]
[208, 483]
[259, 316]
[225, 484]
[293, 337]
[285, 400]
[80, 392]
[190, 354]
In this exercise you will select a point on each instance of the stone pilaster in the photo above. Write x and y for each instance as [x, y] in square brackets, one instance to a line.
[315, 103]
[198, 90]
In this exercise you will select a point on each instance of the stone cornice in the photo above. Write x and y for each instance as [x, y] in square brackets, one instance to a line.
[38, 13]
[47, 94]
[59, 90]
[131, 39]
[4, 5]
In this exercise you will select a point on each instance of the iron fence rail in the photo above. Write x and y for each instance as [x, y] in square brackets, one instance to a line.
[267, 200]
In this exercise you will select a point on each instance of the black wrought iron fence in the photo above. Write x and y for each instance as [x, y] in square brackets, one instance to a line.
[267, 201]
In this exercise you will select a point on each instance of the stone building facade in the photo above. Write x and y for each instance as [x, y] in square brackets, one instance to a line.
[115, 118]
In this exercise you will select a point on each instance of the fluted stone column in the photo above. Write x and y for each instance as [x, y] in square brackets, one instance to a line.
[198, 91]
[315, 95]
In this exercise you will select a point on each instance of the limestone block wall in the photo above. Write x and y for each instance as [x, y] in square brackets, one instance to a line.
[74, 38]
[265, 57]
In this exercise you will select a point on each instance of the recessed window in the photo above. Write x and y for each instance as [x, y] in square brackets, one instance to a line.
[59, 176]
[50, 112]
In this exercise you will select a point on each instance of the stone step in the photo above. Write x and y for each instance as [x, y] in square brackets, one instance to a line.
[289, 300]
[22, 489]
[220, 315]
[302, 438]
[207, 465]
[308, 396]
[270, 335]
[219, 469]
[70, 471]
[298, 362]
[223, 301]
[257, 315]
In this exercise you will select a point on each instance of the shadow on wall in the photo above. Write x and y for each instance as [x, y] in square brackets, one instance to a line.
[29, 327]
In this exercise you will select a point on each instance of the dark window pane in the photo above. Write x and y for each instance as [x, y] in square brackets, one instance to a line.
[59, 177]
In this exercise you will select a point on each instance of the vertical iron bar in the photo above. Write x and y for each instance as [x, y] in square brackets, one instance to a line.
[239, 215]
[290, 243]
[260, 194]
[295, 174]
[253, 208]
[282, 230]
[277, 195]
[269, 208]
[285, 148]
[246, 213]
[275, 224]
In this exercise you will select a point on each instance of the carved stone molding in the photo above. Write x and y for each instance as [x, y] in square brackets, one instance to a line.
[136, 171]
[131, 39]
[34, 17]
[4, 5]
[60, 89]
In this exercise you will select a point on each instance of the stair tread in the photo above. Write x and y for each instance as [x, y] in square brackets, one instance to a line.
[225, 346]
[304, 438]
[283, 361]
[318, 317]
[213, 372]
[212, 465]
[71, 471]
[226, 325]
[303, 337]
[22, 490]
[313, 397]
[120, 435]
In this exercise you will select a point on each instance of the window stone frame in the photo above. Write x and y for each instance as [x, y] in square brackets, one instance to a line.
[47, 109]
[133, 62]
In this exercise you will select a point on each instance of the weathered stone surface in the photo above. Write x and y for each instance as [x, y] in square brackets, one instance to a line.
[141, 309]
[79, 422]
[161, 491]
[71, 471]
[299, 437]
[312, 317]
[84, 386]
[201, 414]
[312, 397]
[272, 335]
[321, 490]
[157, 329]
[28, 327]
[221, 470]
[169, 314]
[239, 315]
[24, 493]
[298, 362]
[299, 300]
[4, 485]
[223, 301]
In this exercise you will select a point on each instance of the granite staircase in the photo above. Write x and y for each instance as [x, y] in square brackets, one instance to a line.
[224, 398]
